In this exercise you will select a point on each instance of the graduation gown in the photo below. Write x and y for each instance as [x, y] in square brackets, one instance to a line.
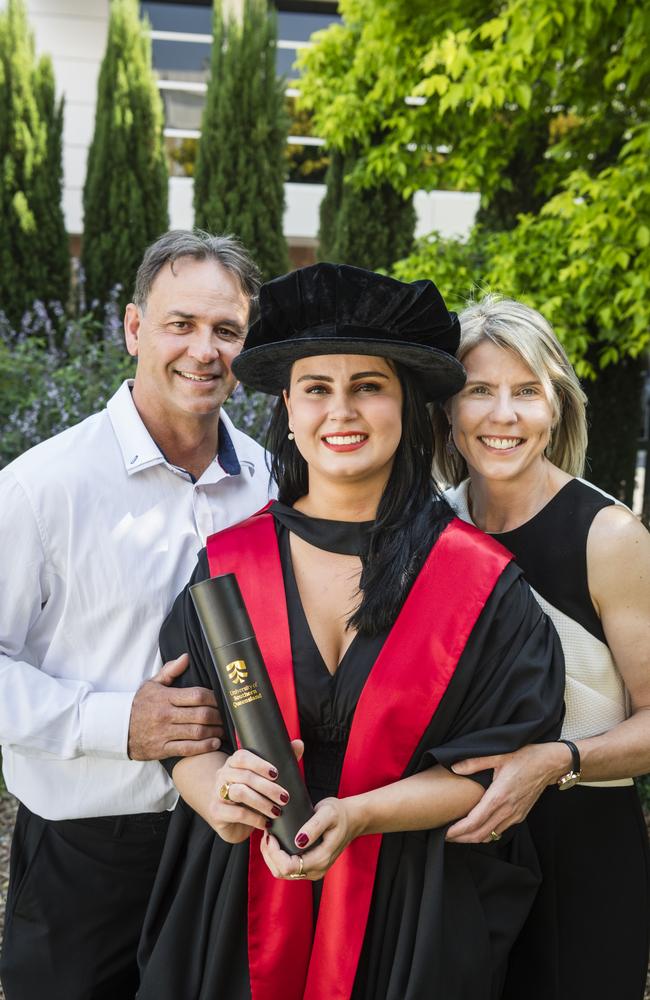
[442, 917]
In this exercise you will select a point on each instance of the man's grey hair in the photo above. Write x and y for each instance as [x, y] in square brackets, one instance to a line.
[225, 250]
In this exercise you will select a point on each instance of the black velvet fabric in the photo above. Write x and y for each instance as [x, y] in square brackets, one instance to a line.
[339, 309]
[349, 538]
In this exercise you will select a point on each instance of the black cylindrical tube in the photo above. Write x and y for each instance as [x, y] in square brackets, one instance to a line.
[249, 694]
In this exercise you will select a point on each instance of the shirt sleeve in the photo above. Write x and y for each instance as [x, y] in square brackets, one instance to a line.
[181, 633]
[512, 670]
[42, 715]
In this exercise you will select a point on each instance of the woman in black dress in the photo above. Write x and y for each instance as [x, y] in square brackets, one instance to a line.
[516, 447]
[399, 641]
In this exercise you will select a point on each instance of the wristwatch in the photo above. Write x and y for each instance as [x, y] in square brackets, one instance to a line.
[572, 777]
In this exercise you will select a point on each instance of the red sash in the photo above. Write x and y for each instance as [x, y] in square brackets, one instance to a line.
[400, 697]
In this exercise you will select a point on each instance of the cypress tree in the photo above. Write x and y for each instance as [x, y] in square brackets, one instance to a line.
[34, 260]
[48, 188]
[368, 228]
[330, 207]
[125, 194]
[239, 176]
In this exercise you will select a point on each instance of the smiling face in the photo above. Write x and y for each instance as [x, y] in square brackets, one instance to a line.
[185, 339]
[346, 413]
[502, 419]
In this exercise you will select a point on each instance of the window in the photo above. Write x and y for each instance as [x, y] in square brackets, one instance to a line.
[181, 44]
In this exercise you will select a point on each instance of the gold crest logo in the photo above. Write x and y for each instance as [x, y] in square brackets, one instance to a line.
[237, 671]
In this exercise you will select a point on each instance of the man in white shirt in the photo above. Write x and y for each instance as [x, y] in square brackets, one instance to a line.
[99, 531]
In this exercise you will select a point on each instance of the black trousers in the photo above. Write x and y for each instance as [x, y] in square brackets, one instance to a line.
[78, 891]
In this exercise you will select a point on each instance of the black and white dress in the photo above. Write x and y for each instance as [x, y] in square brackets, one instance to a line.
[588, 934]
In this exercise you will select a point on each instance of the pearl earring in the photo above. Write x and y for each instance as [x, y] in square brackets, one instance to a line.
[291, 435]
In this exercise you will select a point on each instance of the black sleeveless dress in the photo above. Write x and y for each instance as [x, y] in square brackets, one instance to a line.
[588, 934]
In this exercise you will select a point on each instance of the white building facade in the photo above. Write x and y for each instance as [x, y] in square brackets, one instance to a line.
[73, 33]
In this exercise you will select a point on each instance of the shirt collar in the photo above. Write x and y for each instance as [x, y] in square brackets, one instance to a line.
[240, 448]
[140, 451]
[226, 454]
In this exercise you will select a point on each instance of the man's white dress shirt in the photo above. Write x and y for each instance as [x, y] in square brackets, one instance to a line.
[98, 534]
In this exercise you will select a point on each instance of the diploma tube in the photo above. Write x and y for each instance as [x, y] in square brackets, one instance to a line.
[249, 695]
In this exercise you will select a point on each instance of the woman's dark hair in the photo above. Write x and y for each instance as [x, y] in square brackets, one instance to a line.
[408, 517]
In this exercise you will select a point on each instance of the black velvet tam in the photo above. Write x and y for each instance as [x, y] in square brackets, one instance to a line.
[339, 309]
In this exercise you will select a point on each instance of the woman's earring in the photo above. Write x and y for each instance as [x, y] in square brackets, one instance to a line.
[450, 447]
[291, 435]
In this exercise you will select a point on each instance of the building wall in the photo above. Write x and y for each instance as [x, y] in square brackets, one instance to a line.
[74, 33]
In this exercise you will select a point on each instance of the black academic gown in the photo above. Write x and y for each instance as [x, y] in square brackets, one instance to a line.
[443, 916]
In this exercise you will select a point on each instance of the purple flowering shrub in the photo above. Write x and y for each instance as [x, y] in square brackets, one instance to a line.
[60, 366]
[56, 369]
[250, 411]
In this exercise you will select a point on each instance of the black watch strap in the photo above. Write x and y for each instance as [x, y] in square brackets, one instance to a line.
[575, 755]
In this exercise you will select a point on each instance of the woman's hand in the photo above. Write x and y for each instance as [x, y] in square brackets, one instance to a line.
[519, 780]
[247, 795]
[335, 821]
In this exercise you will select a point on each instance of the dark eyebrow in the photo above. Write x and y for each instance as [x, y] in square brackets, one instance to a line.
[315, 378]
[353, 378]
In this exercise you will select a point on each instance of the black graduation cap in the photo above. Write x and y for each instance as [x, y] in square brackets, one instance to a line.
[339, 309]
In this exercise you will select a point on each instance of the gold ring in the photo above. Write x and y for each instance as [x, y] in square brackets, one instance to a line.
[224, 792]
[495, 836]
[301, 870]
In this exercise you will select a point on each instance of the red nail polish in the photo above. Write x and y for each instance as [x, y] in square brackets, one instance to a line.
[284, 797]
[273, 773]
[268, 823]
[302, 840]
[276, 810]
[267, 838]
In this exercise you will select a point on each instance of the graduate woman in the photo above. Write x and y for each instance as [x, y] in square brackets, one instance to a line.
[399, 641]
[517, 440]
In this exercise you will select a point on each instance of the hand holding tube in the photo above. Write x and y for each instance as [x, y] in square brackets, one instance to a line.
[250, 698]
[248, 795]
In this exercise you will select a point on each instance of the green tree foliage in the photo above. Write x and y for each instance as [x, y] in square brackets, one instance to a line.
[367, 227]
[544, 108]
[34, 262]
[466, 270]
[239, 176]
[125, 194]
[456, 266]
[329, 207]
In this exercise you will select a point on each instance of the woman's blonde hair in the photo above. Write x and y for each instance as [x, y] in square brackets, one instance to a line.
[525, 332]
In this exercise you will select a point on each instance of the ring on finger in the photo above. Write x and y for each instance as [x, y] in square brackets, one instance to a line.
[301, 870]
[494, 836]
[224, 792]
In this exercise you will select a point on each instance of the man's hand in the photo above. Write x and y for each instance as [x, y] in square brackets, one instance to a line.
[173, 722]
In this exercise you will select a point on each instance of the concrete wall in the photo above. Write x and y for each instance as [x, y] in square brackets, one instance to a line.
[74, 32]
